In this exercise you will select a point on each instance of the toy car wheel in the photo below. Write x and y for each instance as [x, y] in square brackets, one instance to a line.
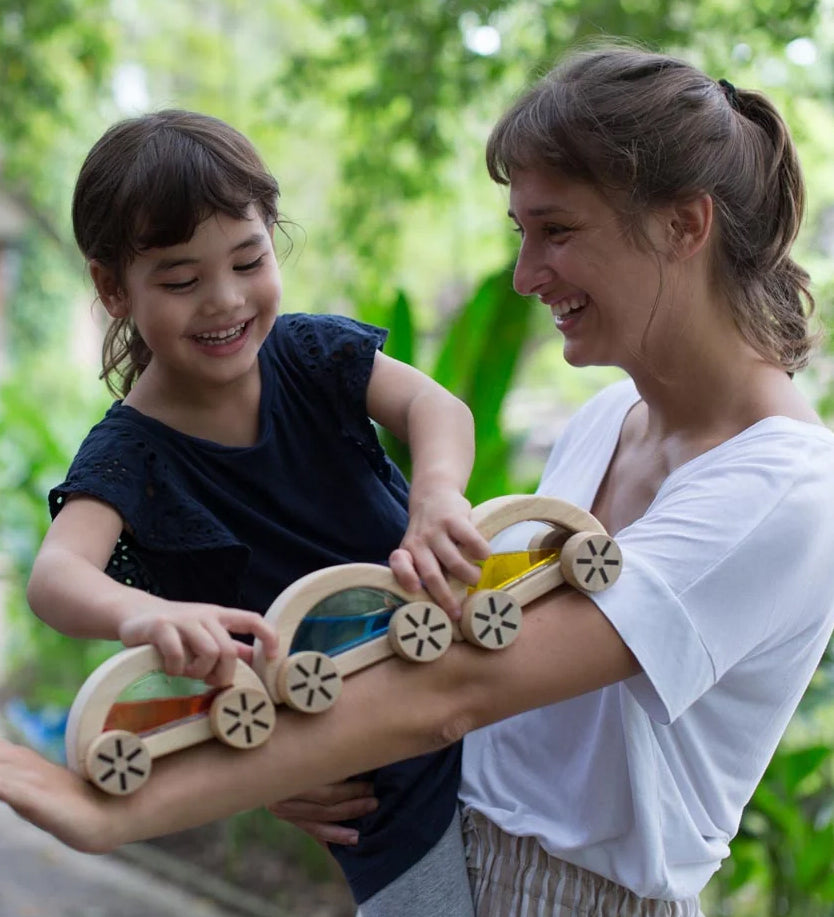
[242, 717]
[118, 762]
[309, 682]
[591, 561]
[420, 631]
[491, 619]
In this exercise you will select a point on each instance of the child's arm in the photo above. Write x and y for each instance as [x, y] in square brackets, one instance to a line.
[440, 540]
[69, 590]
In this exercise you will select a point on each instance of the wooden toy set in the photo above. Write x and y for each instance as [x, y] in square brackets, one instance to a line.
[330, 624]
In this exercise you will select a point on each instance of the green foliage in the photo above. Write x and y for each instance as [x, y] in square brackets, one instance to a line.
[417, 95]
[780, 863]
[54, 57]
[35, 450]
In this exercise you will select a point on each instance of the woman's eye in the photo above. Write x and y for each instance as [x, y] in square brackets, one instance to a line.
[556, 229]
[251, 265]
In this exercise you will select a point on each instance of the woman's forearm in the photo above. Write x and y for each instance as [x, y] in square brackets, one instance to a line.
[391, 711]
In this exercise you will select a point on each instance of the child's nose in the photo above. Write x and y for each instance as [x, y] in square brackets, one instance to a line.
[224, 296]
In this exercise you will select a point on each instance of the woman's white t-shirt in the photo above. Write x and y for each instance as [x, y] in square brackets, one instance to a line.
[727, 600]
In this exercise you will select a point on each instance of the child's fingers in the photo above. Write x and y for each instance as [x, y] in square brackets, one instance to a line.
[164, 636]
[328, 833]
[222, 672]
[249, 622]
[245, 652]
[319, 810]
[402, 566]
[435, 582]
[444, 558]
[470, 541]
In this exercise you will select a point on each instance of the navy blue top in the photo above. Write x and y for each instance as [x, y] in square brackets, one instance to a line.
[236, 525]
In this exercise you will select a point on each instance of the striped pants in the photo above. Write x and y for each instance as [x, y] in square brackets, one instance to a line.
[514, 877]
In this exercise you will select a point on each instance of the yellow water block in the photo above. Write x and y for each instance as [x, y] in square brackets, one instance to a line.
[503, 568]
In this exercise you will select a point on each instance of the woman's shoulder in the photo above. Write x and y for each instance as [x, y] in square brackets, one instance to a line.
[776, 448]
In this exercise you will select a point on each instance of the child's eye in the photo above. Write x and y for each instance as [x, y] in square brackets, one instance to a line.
[182, 285]
[251, 265]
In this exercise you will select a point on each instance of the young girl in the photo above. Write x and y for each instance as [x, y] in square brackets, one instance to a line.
[657, 209]
[242, 454]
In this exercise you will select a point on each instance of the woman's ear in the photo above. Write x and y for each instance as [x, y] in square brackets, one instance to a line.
[689, 225]
[113, 297]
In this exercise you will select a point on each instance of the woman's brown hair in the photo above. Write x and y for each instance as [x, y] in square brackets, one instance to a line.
[650, 130]
[149, 182]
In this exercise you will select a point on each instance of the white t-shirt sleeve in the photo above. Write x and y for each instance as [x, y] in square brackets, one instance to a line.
[721, 566]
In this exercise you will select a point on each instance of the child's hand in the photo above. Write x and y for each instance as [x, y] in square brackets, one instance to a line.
[440, 541]
[195, 640]
[318, 812]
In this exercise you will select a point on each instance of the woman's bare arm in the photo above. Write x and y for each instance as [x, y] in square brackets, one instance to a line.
[391, 711]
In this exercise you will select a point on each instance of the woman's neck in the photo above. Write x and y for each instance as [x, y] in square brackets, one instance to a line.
[720, 398]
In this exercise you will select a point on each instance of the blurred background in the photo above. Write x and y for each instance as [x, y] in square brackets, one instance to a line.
[373, 116]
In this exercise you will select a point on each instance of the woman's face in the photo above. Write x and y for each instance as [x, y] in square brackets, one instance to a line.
[577, 258]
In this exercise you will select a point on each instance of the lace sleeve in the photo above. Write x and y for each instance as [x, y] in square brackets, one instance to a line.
[338, 354]
[171, 544]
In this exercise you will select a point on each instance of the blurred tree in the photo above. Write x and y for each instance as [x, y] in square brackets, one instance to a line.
[420, 83]
[54, 58]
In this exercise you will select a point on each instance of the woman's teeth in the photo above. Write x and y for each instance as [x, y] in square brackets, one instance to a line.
[565, 306]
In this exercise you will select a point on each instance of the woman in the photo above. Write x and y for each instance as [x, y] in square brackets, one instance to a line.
[656, 209]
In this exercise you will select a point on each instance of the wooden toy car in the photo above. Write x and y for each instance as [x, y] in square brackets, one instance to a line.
[338, 620]
[118, 721]
[330, 624]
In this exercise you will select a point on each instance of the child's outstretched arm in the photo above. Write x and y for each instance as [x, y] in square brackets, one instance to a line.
[69, 590]
[441, 540]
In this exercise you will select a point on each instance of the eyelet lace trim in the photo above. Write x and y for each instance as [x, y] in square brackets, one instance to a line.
[164, 528]
[340, 353]
[125, 567]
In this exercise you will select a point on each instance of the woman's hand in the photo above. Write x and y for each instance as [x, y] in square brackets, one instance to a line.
[57, 800]
[440, 541]
[317, 812]
[195, 640]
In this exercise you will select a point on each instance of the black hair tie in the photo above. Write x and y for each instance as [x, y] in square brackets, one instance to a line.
[730, 94]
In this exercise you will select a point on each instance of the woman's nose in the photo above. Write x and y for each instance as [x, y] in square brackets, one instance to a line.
[529, 271]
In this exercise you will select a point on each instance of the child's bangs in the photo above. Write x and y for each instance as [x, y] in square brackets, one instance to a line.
[182, 194]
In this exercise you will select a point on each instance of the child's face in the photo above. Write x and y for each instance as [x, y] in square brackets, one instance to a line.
[205, 307]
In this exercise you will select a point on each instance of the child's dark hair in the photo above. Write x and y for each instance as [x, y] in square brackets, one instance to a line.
[149, 182]
[653, 130]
